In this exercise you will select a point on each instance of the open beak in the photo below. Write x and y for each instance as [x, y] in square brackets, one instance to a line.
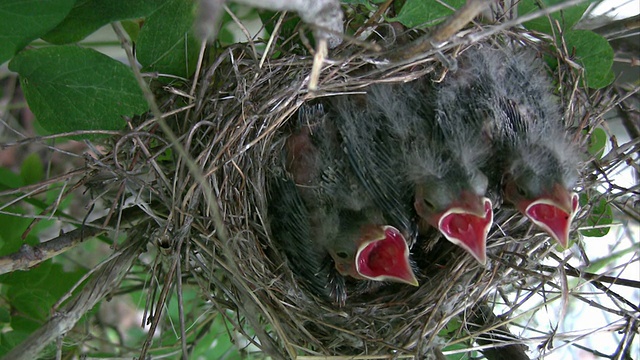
[467, 226]
[554, 213]
[384, 256]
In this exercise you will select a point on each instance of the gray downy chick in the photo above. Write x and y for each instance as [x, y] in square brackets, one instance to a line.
[338, 218]
[507, 96]
[401, 153]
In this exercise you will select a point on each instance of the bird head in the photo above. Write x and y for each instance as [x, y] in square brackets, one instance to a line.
[538, 183]
[383, 255]
[464, 219]
[552, 208]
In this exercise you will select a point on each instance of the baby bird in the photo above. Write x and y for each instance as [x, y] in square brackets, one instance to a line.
[403, 158]
[508, 97]
[291, 231]
[331, 216]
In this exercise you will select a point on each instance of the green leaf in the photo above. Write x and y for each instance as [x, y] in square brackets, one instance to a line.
[594, 53]
[225, 36]
[39, 130]
[597, 142]
[566, 18]
[32, 169]
[87, 16]
[601, 215]
[132, 28]
[169, 49]
[58, 281]
[287, 29]
[425, 13]
[22, 21]
[609, 77]
[10, 339]
[9, 179]
[463, 355]
[70, 88]
[5, 316]
[31, 303]
[452, 326]
[12, 228]
[32, 293]
[190, 298]
[217, 344]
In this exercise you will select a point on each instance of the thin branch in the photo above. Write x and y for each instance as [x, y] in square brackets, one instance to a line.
[102, 282]
[29, 256]
[600, 287]
[441, 33]
[571, 271]
[617, 29]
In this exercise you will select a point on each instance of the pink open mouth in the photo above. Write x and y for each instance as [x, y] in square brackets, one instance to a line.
[386, 258]
[468, 230]
[552, 218]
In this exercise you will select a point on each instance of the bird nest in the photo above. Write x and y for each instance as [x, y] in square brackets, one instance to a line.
[232, 131]
[205, 211]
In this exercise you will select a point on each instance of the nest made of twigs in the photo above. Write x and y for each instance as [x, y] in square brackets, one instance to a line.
[231, 132]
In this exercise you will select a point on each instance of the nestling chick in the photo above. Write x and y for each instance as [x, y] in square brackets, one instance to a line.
[403, 157]
[291, 230]
[507, 95]
[342, 221]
